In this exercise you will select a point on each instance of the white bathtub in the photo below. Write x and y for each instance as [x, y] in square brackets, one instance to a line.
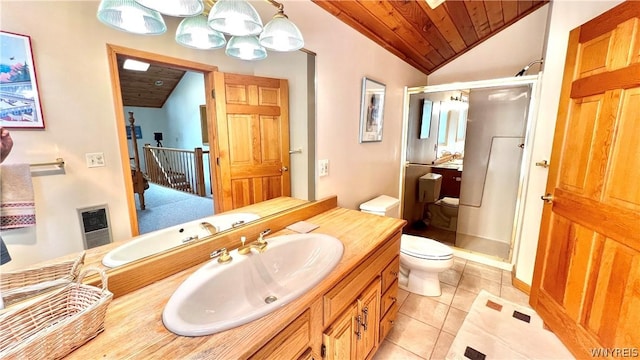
[165, 239]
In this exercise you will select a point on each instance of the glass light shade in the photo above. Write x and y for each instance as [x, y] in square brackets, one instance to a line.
[245, 48]
[280, 34]
[194, 32]
[129, 16]
[174, 7]
[235, 17]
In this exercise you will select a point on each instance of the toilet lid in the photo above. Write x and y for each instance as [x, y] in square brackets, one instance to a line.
[451, 201]
[424, 248]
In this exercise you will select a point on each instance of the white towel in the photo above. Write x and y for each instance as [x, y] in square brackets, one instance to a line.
[17, 206]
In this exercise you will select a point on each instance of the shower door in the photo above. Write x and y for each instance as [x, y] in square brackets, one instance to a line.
[474, 134]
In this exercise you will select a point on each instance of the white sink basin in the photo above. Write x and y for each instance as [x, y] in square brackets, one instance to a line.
[218, 296]
[165, 239]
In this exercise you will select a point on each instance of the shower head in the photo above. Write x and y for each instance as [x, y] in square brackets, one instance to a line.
[524, 69]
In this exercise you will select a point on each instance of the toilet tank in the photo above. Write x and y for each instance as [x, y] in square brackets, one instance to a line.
[429, 187]
[383, 205]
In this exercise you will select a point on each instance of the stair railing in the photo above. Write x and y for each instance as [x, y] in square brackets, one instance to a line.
[178, 169]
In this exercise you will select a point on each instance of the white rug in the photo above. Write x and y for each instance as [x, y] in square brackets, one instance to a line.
[499, 329]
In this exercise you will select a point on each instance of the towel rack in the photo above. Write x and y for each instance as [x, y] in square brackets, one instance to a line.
[59, 162]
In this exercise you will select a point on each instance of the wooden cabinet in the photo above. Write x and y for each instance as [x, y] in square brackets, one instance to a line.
[451, 180]
[291, 343]
[354, 335]
[366, 299]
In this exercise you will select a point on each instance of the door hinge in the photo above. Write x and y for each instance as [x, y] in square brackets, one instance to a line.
[213, 94]
[323, 351]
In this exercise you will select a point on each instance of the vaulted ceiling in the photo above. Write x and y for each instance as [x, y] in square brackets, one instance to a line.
[425, 38]
[429, 38]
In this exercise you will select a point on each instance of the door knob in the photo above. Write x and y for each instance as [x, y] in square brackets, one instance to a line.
[548, 198]
[284, 168]
[543, 163]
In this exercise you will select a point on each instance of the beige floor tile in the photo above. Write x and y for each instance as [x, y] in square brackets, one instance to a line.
[451, 277]
[413, 335]
[454, 320]
[458, 264]
[475, 283]
[447, 294]
[402, 296]
[442, 346]
[506, 277]
[483, 271]
[425, 309]
[463, 299]
[391, 351]
[514, 295]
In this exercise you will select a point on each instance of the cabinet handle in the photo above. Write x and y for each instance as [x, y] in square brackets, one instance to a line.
[394, 274]
[358, 333]
[394, 299]
[365, 311]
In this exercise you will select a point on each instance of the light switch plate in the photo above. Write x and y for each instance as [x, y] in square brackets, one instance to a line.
[323, 167]
[94, 159]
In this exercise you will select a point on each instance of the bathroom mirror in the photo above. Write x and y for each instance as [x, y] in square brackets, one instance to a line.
[98, 36]
[425, 124]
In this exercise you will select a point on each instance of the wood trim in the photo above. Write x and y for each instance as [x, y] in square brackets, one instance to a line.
[599, 25]
[519, 284]
[112, 56]
[126, 279]
[163, 59]
[626, 78]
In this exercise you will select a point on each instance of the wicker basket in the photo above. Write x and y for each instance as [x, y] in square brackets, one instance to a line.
[56, 324]
[27, 283]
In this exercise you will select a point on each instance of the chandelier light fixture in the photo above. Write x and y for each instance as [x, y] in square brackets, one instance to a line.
[236, 19]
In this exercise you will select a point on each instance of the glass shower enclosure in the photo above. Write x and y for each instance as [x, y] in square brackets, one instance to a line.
[465, 155]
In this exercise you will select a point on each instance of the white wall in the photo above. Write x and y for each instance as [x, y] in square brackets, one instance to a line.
[565, 15]
[75, 87]
[357, 172]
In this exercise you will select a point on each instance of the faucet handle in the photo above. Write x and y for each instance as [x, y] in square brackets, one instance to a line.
[262, 234]
[222, 255]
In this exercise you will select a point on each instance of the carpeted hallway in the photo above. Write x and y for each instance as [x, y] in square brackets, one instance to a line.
[167, 207]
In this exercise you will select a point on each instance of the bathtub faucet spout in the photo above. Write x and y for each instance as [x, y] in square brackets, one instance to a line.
[210, 228]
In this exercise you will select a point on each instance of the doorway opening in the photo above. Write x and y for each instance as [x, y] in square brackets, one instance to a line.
[205, 72]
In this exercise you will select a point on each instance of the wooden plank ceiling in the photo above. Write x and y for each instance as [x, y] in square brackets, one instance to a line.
[149, 88]
[429, 38]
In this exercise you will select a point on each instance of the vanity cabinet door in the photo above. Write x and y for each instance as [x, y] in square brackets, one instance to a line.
[369, 317]
[451, 181]
[340, 339]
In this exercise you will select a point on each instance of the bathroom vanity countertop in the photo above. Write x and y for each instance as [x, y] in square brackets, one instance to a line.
[133, 324]
[93, 257]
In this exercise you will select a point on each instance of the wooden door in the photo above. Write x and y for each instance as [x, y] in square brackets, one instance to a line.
[340, 339]
[253, 139]
[369, 312]
[586, 282]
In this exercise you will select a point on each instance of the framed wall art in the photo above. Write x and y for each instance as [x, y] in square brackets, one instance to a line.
[19, 96]
[371, 110]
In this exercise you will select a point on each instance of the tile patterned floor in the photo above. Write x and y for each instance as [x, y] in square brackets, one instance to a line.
[426, 326]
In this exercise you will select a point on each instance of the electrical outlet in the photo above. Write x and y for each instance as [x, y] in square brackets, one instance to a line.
[94, 159]
[323, 166]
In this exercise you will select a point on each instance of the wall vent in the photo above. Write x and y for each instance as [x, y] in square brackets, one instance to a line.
[94, 222]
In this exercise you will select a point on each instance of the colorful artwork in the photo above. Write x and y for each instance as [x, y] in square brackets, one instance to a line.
[19, 99]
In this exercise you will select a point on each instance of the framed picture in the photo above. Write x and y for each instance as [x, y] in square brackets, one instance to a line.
[19, 98]
[371, 110]
[138, 130]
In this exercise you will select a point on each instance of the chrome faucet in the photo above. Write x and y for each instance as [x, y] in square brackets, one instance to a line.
[210, 228]
[190, 238]
[260, 244]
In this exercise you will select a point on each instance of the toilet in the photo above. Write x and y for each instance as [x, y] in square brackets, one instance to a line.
[444, 213]
[421, 259]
